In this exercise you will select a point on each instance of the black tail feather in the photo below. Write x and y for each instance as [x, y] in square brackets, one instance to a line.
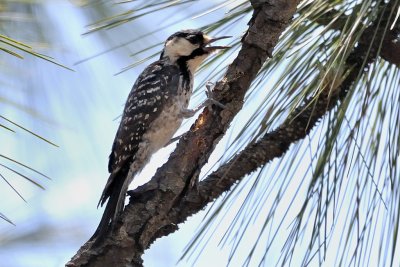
[107, 223]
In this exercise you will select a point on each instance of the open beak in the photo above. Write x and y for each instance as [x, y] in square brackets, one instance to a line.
[209, 48]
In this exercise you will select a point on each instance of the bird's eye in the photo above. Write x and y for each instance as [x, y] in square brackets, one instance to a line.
[195, 39]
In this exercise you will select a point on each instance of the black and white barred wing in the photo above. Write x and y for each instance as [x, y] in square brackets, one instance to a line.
[152, 92]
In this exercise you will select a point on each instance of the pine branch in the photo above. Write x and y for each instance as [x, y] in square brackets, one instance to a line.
[148, 216]
[156, 208]
[390, 47]
[296, 127]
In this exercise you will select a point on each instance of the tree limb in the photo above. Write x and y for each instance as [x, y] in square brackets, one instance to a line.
[147, 216]
[391, 44]
[297, 126]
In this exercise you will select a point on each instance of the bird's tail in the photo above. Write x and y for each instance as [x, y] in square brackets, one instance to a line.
[115, 193]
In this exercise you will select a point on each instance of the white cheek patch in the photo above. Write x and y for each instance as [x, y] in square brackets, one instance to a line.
[179, 47]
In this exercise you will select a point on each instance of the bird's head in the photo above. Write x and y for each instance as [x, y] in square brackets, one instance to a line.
[192, 46]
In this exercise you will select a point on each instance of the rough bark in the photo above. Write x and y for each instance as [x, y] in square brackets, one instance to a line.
[156, 208]
[391, 46]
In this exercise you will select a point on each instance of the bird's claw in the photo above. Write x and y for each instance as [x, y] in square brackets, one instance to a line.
[188, 113]
[209, 88]
[210, 96]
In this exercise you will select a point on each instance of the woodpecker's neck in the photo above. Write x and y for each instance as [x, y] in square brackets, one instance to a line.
[195, 62]
[190, 63]
[184, 70]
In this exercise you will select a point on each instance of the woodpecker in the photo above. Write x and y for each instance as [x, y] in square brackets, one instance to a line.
[154, 110]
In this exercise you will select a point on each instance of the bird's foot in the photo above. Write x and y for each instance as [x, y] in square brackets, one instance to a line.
[173, 140]
[211, 96]
[188, 113]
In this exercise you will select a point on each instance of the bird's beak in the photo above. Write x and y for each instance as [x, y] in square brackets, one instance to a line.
[211, 40]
